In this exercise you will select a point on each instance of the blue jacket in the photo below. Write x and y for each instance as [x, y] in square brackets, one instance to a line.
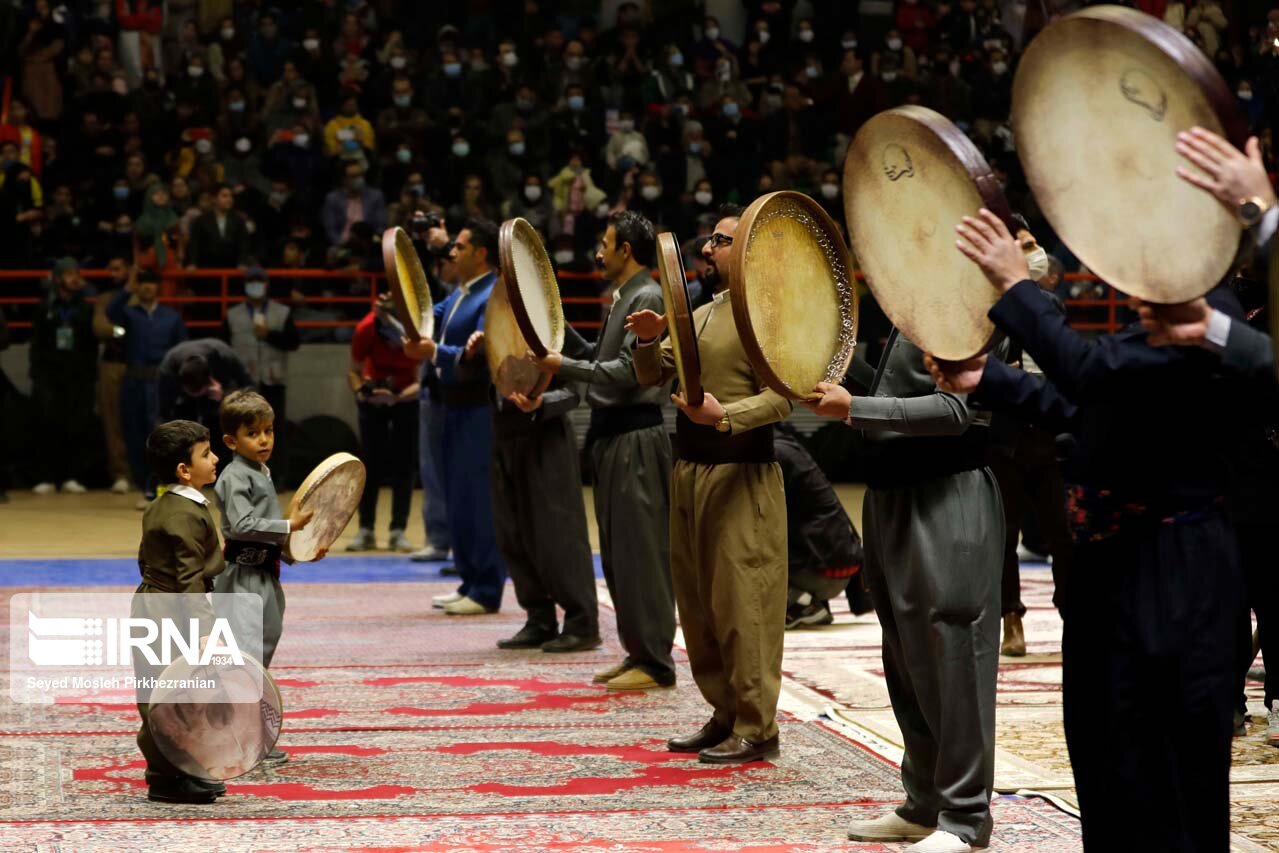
[462, 323]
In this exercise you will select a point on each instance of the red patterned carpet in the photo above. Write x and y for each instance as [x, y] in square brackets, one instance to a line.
[409, 730]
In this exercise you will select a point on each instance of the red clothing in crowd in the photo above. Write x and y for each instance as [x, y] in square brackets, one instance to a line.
[381, 358]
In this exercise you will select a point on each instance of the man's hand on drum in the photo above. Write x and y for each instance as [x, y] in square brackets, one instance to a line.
[986, 242]
[300, 518]
[419, 350]
[1185, 324]
[474, 345]
[646, 325]
[524, 403]
[956, 377]
[1228, 174]
[549, 364]
[834, 403]
[709, 413]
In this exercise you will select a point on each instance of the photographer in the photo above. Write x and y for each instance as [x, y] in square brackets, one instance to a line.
[384, 381]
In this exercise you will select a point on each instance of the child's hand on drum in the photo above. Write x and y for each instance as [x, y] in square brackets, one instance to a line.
[300, 518]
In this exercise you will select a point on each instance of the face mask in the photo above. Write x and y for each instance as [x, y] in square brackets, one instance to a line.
[236, 106]
[243, 145]
[452, 69]
[805, 36]
[403, 101]
[998, 67]
[121, 193]
[564, 256]
[573, 63]
[601, 210]
[351, 145]
[533, 193]
[398, 62]
[724, 73]
[712, 33]
[694, 148]
[301, 140]
[830, 190]
[403, 155]
[1245, 94]
[848, 44]
[195, 71]
[576, 102]
[677, 59]
[255, 289]
[420, 189]
[678, 110]
[510, 60]
[1037, 258]
[703, 198]
[516, 149]
[764, 36]
[894, 44]
[311, 44]
[228, 33]
[811, 72]
[299, 103]
[524, 105]
[650, 193]
[732, 110]
[355, 184]
[277, 198]
[203, 146]
[889, 76]
[461, 149]
[626, 125]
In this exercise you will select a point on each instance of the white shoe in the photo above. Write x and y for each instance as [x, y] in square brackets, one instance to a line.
[72, 487]
[363, 541]
[465, 607]
[941, 842]
[889, 827]
[439, 601]
[120, 487]
[1026, 555]
[45, 489]
[429, 554]
[399, 542]
[1272, 729]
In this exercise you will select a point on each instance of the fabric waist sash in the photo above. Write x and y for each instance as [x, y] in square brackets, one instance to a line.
[262, 555]
[705, 445]
[905, 462]
[609, 421]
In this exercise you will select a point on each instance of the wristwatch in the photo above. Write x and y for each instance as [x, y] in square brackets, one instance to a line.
[724, 424]
[1251, 210]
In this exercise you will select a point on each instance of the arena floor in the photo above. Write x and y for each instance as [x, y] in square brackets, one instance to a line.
[409, 730]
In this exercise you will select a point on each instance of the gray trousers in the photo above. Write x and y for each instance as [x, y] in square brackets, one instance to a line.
[632, 507]
[541, 526]
[934, 554]
[265, 585]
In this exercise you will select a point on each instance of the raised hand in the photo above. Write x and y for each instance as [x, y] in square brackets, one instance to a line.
[1229, 175]
[956, 377]
[647, 325]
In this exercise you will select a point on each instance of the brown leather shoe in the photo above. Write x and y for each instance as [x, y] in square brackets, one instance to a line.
[711, 734]
[1014, 645]
[736, 750]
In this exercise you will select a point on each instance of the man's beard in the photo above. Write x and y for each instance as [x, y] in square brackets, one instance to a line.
[712, 277]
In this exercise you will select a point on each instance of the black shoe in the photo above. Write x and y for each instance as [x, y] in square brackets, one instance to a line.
[178, 789]
[528, 637]
[816, 613]
[859, 601]
[711, 734]
[276, 756]
[449, 571]
[572, 643]
[218, 789]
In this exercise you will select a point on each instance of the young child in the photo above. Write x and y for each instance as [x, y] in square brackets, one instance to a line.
[254, 528]
[178, 554]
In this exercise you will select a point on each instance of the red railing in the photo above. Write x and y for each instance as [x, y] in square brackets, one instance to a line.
[225, 298]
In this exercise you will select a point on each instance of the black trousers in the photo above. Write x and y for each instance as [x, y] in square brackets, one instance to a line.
[65, 429]
[1151, 649]
[388, 437]
[540, 523]
[1261, 572]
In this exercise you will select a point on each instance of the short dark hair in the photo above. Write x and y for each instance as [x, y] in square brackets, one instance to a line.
[636, 229]
[194, 374]
[218, 188]
[170, 445]
[1019, 223]
[483, 236]
[244, 408]
[728, 210]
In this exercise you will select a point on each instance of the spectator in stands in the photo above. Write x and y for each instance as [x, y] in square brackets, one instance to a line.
[348, 133]
[473, 203]
[1207, 18]
[404, 123]
[533, 203]
[508, 164]
[384, 381]
[574, 196]
[574, 127]
[18, 130]
[41, 50]
[627, 147]
[266, 51]
[191, 381]
[262, 333]
[111, 371]
[354, 202]
[64, 356]
[219, 238]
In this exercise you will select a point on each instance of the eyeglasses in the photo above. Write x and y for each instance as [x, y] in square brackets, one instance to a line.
[717, 240]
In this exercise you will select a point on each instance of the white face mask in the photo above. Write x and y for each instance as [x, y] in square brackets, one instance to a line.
[764, 36]
[830, 190]
[243, 145]
[626, 125]
[398, 62]
[510, 60]
[301, 140]
[712, 33]
[203, 146]
[461, 149]
[894, 44]
[601, 210]
[299, 103]
[1037, 258]
[228, 33]
[573, 63]
[533, 193]
[195, 71]
[311, 44]
[1245, 94]
[703, 198]
[650, 192]
[564, 256]
[848, 44]
[812, 72]
[998, 67]
[255, 289]
[805, 36]
[889, 76]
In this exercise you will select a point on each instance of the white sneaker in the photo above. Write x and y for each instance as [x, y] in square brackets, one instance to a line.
[363, 541]
[45, 489]
[1272, 732]
[465, 607]
[439, 601]
[120, 487]
[72, 487]
[429, 554]
[399, 542]
[941, 842]
[889, 827]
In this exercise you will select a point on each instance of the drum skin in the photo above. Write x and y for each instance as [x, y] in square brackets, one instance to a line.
[531, 287]
[216, 740]
[333, 489]
[407, 282]
[791, 279]
[910, 176]
[679, 318]
[1098, 100]
[505, 349]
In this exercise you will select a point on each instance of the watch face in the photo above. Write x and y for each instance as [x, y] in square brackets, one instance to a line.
[1250, 211]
